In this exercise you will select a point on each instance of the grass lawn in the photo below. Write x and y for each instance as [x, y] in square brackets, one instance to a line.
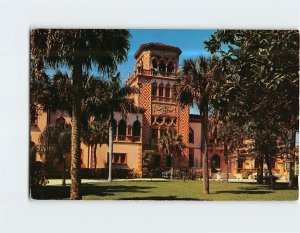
[170, 190]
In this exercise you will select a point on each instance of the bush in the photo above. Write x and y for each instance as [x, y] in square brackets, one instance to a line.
[38, 174]
[187, 174]
[102, 173]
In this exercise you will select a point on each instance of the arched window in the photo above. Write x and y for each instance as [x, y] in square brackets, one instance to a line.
[162, 67]
[215, 163]
[136, 129]
[167, 90]
[154, 64]
[161, 90]
[191, 135]
[154, 89]
[61, 120]
[122, 130]
[170, 68]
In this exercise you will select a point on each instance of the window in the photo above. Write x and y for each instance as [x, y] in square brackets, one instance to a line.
[191, 135]
[168, 91]
[136, 129]
[122, 130]
[118, 158]
[154, 64]
[170, 68]
[215, 163]
[154, 89]
[161, 90]
[191, 157]
[162, 67]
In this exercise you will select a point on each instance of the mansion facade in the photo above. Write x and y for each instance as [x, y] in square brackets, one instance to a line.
[155, 75]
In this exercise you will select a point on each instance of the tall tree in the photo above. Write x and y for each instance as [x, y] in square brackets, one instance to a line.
[116, 99]
[198, 76]
[262, 82]
[172, 144]
[95, 133]
[79, 50]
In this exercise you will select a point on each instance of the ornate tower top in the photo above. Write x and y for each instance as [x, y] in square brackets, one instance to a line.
[157, 46]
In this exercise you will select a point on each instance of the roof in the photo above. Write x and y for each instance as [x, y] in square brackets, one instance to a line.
[157, 45]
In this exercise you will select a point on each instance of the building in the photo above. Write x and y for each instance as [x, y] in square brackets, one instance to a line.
[155, 75]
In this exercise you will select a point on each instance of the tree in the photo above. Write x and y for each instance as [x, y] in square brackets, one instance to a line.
[56, 139]
[198, 76]
[79, 50]
[151, 161]
[115, 99]
[172, 144]
[95, 133]
[262, 82]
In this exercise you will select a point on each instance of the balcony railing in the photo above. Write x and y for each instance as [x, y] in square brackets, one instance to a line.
[155, 72]
[162, 99]
[127, 138]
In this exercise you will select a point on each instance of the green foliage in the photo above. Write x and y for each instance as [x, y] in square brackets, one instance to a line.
[37, 170]
[172, 144]
[151, 161]
[259, 91]
[55, 141]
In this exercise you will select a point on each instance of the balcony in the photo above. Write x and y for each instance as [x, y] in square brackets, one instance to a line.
[154, 72]
[127, 138]
[163, 99]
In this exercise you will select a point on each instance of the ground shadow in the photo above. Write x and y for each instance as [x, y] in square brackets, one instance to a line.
[244, 192]
[59, 192]
[162, 198]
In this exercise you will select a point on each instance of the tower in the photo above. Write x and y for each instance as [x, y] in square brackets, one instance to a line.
[156, 76]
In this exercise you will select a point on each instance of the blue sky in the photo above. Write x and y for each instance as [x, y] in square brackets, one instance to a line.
[189, 41]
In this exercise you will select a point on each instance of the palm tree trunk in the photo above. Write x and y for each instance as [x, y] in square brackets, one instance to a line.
[204, 150]
[292, 158]
[63, 172]
[95, 157]
[268, 161]
[260, 171]
[226, 161]
[75, 191]
[110, 149]
[172, 167]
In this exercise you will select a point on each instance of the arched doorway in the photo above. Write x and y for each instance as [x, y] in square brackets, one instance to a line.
[215, 163]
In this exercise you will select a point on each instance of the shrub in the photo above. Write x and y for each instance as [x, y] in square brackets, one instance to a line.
[38, 174]
[102, 173]
[187, 174]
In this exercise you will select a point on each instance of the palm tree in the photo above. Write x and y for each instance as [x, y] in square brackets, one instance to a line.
[56, 139]
[198, 77]
[95, 133]
[79, 50]
[116, 100]
[172, 144]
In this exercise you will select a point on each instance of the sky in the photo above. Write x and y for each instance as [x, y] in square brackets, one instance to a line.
[191, 42]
